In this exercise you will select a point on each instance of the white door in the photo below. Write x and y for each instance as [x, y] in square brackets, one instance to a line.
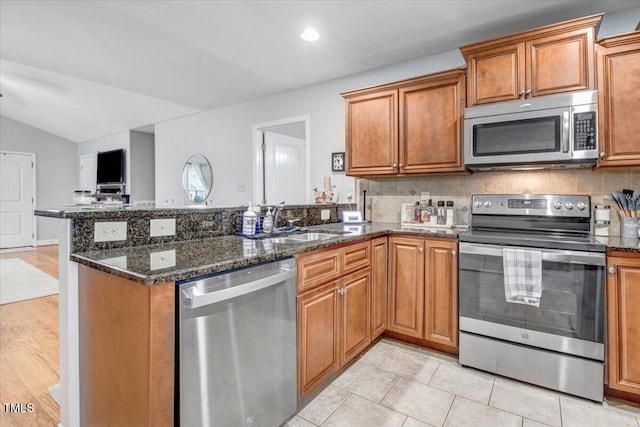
[17, 199]
[88, 173]
[285, 168]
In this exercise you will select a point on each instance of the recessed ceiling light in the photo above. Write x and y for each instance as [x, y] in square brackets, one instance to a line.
[310, 35]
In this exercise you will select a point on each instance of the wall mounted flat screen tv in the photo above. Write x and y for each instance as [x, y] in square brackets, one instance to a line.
[110, 167]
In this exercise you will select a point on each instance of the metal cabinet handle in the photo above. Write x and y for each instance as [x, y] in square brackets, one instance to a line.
[401, 165]
[342, 291]
[528, 92]
[520, 94]
[395, 165]
[453, 253]
[612, 270]
[602, 154]
[420, 250]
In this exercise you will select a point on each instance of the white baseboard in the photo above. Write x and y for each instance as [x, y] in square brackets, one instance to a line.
[47, 242]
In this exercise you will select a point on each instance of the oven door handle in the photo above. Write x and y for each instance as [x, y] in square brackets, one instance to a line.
[570, 257]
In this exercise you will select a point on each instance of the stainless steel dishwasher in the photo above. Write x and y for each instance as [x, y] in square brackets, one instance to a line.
[237, 347]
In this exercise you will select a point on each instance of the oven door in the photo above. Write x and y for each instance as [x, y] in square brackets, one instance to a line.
[570, 318]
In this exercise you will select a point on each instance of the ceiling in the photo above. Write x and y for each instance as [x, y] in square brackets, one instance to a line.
[87, 69]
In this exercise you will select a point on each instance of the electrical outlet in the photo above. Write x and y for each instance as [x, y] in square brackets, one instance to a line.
[325, 214]
[241, 187]
[162, 227]
[110, 231]
[163, 259]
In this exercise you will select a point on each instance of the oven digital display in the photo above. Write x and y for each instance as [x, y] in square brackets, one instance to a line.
[527, 204]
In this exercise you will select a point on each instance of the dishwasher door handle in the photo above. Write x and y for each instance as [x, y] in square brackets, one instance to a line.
[192, 298]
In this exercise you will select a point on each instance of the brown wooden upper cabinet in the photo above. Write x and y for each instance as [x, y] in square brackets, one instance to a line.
[553, 59]
[618, 60]
[408, 127]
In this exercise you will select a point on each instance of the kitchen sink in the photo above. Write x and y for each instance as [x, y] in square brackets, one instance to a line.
[302, 238]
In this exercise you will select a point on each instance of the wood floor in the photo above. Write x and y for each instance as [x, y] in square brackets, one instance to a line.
[29, 360]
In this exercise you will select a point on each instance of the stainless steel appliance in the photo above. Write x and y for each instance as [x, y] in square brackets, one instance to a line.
[237, 347]
[551, 131]
[558, 344]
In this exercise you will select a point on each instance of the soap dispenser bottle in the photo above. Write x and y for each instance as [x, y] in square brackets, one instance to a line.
[267, 222]
[249, 222]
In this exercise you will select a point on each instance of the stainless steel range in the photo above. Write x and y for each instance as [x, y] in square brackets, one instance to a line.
[532, 292]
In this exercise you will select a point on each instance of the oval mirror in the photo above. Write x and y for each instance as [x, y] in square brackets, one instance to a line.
[197, 178]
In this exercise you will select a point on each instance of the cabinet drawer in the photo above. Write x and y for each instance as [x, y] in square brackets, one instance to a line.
[356, 256]
[317, 268]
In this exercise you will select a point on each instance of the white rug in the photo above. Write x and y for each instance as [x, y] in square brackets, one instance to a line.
[20, 281]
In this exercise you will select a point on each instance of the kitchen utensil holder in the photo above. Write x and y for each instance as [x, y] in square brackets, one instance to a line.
[629, 227]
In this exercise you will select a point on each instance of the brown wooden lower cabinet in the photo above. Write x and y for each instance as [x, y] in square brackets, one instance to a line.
[334, 317]
[126, 332]
[318, 333]
[379, 280]
[355, 316]
[623, 323]
[423, 291]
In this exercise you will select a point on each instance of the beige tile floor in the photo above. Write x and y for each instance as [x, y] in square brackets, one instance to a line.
[394, 384]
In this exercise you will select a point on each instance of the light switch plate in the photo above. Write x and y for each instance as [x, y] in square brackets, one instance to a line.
[163, 259]
[325, 214]
[162, 227]
[110, 231]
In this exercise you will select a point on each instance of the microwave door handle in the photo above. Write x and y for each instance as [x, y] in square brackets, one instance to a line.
[565, 132]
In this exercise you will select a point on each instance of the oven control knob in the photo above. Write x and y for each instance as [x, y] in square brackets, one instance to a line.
[557, 205]
[487, 204]
[478, 204]
[581, 206]
[569, 205]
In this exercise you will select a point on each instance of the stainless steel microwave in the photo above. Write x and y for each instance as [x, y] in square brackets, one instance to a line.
[550, 131]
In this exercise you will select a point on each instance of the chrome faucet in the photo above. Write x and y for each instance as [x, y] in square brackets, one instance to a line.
[276, 213]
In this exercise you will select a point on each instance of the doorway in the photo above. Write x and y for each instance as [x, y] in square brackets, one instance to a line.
[17, 199]
[281, 162]
[88, 173]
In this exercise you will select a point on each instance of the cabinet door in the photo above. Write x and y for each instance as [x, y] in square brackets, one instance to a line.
[623, 322]
[406, 290]
[379, 278]
[496, 74]
[560, 63]
[619, 98]
[356, 318]
[371, 133]
[431, 125]
[441, 292]
[318, 331]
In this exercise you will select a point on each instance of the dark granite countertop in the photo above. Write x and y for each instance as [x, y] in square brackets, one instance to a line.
[189, 259]
[618, 244]
[109, 211]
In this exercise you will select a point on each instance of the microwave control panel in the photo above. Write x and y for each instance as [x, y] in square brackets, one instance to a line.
[584, 131]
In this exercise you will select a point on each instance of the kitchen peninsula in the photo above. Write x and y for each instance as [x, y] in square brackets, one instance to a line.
[114, 297]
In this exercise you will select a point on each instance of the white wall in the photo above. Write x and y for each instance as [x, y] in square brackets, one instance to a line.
[142, 154]
[224, 135]
[56, 169]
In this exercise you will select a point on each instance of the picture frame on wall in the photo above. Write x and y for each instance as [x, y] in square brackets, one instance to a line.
[337, 162]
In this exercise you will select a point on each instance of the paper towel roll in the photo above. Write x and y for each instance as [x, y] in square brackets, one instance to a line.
[327, 184]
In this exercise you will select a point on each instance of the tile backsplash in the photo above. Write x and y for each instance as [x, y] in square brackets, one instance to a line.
[384, 195]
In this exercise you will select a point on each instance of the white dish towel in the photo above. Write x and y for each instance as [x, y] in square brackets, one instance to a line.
[522, 276]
